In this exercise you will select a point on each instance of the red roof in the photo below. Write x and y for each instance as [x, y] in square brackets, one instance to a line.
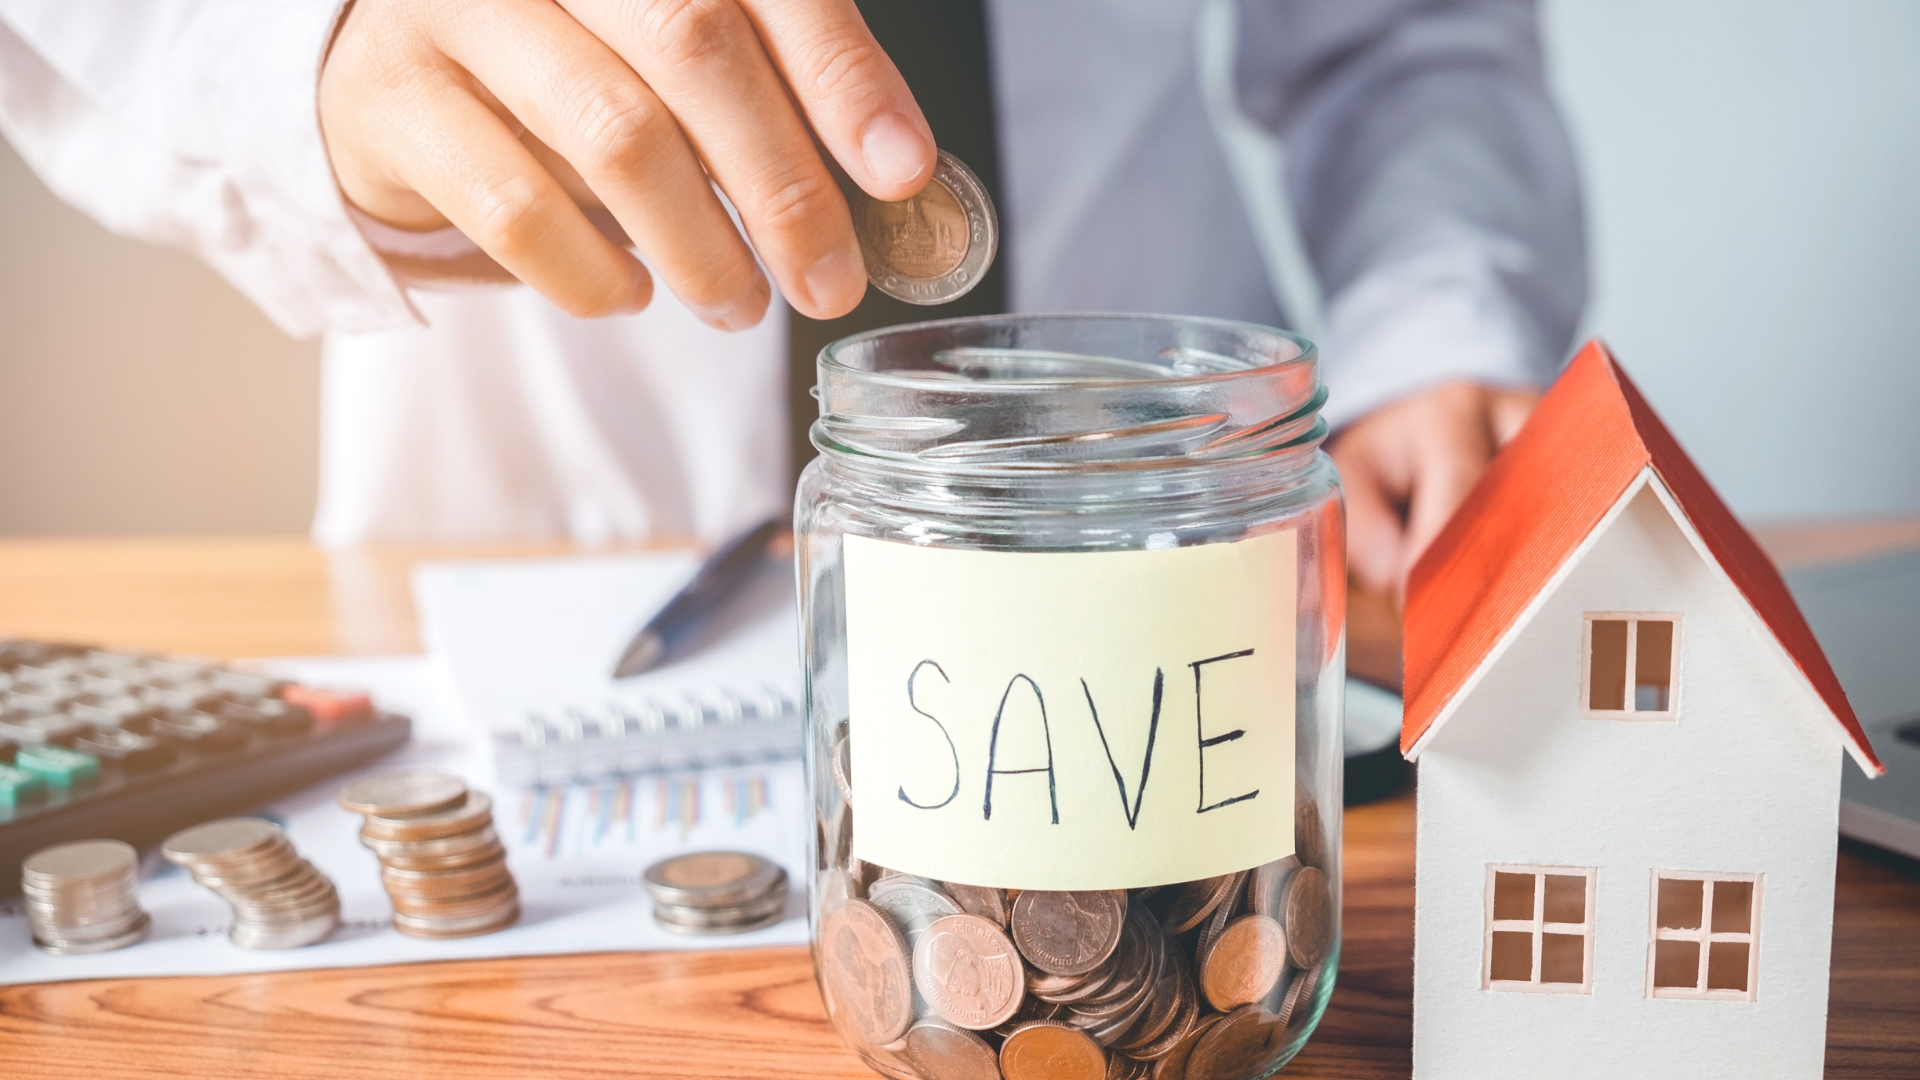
[1541, 497]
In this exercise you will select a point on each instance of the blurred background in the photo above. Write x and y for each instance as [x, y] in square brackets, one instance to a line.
[1752, 169]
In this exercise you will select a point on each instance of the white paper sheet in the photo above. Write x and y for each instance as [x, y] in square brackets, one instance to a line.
[577, 853]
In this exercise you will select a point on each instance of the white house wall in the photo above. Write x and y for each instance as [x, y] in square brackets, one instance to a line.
[1745, 781]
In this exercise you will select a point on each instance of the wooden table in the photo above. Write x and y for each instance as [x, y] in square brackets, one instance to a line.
[689, 1014]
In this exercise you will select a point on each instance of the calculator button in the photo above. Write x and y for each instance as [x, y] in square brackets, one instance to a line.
[124, 711]
[328, 706]
[131, 752]
[35, 728]
[18, 786]
[202, 731]
[57, 765]
[268, 714]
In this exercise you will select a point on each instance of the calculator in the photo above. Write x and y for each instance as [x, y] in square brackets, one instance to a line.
[130, 746]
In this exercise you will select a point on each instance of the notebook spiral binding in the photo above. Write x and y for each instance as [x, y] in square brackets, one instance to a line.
[623, 738]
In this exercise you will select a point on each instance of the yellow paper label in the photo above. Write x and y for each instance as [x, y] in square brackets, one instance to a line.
[1067, 720]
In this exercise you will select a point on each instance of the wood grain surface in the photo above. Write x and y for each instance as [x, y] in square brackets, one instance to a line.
[748, 1013]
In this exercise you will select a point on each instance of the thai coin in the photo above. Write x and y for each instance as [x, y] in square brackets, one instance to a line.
[1294, 1007]
[1068, 933]
[943, 1052]
[1308, 907]
[1309, 831]
[969, 972]
[448, 928]
[1210, 931]
[1265, 884]
[445, 881]
[1172, 993]
[62, 946]
[227, 839]
[1234, 1047]
[403, 794]
[1122, 1067]
[490, 848]
[935, 246]
[78, 864]
[1046, 1050]
[989, 904]
[731, 920]
[713, 879]
[912, 903]
[462, 817]
[1243, 966]
[1173, 1064]
[1198, 899]
[430, 849]
[1186, 1016]
[865, 962]
[843, 765]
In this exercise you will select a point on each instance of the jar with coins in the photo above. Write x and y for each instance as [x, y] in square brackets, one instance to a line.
[1072, 599]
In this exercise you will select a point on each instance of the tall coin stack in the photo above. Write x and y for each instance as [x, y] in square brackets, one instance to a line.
[716, 892]
[443, 865]
[279, 900]
[80, 897]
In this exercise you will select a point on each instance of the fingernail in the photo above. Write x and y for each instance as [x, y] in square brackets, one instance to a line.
[735, 316]
[642, 292]
[895, 152]
[835, 282]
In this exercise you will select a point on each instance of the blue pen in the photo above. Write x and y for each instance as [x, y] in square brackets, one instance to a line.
[718, 578]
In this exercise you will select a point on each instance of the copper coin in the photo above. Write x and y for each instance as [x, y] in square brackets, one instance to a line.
[713, 878]
[455, 861]
[1173, 1064]
[969, 972]
[444, 879]
[944, 1052]
[463, 816]
[1185, 1016]
[1309, 832]
[1298, 995]
[1197, 900]
[1266, 883]
[1210, 932]
[864, 960]
[1171, 994]
[1235, 1047]
[1308, 905]
[1068, 933]
[1245, 963]
[401, 794]
[1046, 1050]
[434, 928]
[935, 246]
[430, 849]
[989, 904]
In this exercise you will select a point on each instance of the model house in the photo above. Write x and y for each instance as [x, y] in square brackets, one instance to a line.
[1629, 751]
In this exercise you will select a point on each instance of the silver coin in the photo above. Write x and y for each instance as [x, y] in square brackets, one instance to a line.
[67, 947]
[402, 794]
[227, 838]
[713, 879]
[78, 862]
[912, 903]
[937, 245]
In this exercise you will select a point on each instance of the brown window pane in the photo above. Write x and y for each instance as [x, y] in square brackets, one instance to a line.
[1563, 958]
[1681, 901]
[1566, 899]
[1733, 907]
[1512, 956]
[1727, 965]
[1652, 665]
[1676, 963]
[1607, 668]
[1512, 896]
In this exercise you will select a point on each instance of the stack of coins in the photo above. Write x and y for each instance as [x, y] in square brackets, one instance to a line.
[279, 900]
[443, 865]
[716, 892]
[1205, 979]
[80, 897]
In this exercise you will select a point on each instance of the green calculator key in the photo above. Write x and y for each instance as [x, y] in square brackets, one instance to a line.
[18, 785]
[57, 765]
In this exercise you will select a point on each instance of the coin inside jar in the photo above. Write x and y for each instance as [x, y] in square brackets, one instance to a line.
[935, 246]
[944, 1052]
[865, 963]
[1309, 916]
[1068, 933]
[1245, 962]
[969, 972]
[1046, 1050]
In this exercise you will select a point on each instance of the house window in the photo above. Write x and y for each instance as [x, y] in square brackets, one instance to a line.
[1539, 929]
[1704, 943]
[1632, 666]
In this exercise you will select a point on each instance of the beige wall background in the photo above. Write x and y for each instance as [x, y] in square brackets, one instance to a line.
[138, 392]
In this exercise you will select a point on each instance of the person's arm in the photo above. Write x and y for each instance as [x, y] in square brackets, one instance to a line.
[192, 123]
[1437, 195]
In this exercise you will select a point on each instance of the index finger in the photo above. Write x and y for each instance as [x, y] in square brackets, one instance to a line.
[852, 95]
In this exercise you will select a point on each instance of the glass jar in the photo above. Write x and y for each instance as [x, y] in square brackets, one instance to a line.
[1072, 593]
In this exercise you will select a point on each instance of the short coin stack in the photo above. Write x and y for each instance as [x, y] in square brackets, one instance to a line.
[279, 900]
[80, 897]
[716, 892]
[443, 865]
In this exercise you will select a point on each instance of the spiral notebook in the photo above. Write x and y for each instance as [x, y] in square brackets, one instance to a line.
[530, 646]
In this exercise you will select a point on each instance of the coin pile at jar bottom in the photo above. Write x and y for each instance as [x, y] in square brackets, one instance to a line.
[443, 865]
[716, 892]
[80, 897]
[279, 900]
[1206, 979]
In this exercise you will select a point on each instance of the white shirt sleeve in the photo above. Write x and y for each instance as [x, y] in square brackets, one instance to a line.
[194, 123]
[1433, 182]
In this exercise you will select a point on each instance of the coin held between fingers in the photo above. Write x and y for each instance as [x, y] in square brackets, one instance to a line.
[934, 247]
